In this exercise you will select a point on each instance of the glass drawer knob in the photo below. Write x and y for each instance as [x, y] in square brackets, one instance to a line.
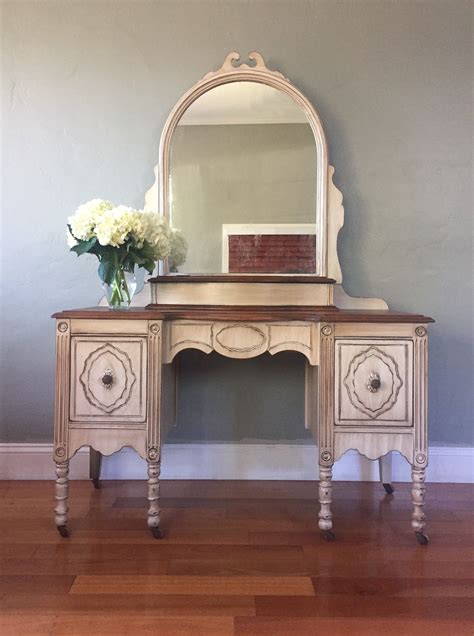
[108, 379]
[374, 382]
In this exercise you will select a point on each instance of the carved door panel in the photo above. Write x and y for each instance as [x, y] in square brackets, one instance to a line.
[108, 379]
[374, 382]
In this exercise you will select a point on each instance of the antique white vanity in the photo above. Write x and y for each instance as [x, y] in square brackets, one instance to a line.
[243, 171]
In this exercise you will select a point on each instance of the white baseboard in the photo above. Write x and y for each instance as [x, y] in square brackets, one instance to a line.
[234, 461]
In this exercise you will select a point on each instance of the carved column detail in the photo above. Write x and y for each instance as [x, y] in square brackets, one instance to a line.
[418, 499]
[154, 389]
[153, 497]
[155, 330]
[61, 495]
[61, 411]
[420, 396]
[420, 455]
[325, 489]
[326, 396]
[326, 426]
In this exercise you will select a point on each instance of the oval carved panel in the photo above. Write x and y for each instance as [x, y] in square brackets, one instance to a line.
[241, 339]
[114, 360]
[370, 363]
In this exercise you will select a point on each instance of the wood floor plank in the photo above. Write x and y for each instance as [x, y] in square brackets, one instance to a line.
[208, 536]
[17, 550]
[344, 551]
[240, 489]
[396, 569]
[238, 566]
[359, 606]
[373, 536]
[27, 584]
[132, 534]
[455, 526]
[228, 585]
[83, 623]
[119, 519]
[389, 586]
[64, 567]
[164, 549]
[142, 604]
[360, 538]
[16, 624]
[30, 508]
[315, 626]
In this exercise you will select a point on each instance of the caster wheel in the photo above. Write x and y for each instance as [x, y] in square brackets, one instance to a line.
[329, 535]
[156, 532]
[63, 531]
[96, 483]
[422, 539]
[389, 489]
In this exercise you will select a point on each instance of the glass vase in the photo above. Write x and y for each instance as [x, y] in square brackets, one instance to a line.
[120, 292]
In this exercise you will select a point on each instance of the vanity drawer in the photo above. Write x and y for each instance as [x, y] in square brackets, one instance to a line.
[108, 379]
[242, 339]
[374, 380]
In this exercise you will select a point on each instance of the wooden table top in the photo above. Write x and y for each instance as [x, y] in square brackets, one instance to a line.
[244, 313]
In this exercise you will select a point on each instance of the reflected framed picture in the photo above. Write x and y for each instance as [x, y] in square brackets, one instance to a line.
[259, 248]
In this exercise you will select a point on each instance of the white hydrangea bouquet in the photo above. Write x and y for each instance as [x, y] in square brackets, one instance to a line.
[121, 238]
[178, 250]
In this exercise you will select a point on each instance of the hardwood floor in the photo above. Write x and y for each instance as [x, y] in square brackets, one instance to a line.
[238, 558]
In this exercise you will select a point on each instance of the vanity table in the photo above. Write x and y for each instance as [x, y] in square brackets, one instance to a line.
[237, 149]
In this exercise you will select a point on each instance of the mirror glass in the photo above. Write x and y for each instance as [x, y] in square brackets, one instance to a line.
[243, 183]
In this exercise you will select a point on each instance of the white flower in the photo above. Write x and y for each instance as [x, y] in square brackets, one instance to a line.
[178, 249]
[114, 226]
[157, 233]
[85, 218]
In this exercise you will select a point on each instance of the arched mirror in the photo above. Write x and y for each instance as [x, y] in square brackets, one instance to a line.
[243, 175]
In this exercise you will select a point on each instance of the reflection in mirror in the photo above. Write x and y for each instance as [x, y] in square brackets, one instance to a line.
[243, 182]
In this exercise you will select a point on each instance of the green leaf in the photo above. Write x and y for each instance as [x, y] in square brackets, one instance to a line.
[84, 246]
[107, 269]
[148, 251]
[128, 265]
[138, 259]
[149, 266]
[103, 251]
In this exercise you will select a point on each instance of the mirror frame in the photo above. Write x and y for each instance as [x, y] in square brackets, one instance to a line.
[258, 73]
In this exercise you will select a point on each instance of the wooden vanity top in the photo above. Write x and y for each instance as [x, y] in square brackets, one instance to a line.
[245, 313]
[242, 278]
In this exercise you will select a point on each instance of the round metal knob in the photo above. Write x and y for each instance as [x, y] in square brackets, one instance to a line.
[373, 382]
[108, 379]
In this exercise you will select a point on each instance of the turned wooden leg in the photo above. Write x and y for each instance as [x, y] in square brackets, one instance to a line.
[418, 498]
[61, 494]
[385, 472]
[153, 498]
[325, 515]
[95, 465]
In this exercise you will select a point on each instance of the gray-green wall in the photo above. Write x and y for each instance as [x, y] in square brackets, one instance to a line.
[87, 86]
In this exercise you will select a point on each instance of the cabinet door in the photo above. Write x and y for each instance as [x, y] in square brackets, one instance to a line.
[108, 379]
[374, 382]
